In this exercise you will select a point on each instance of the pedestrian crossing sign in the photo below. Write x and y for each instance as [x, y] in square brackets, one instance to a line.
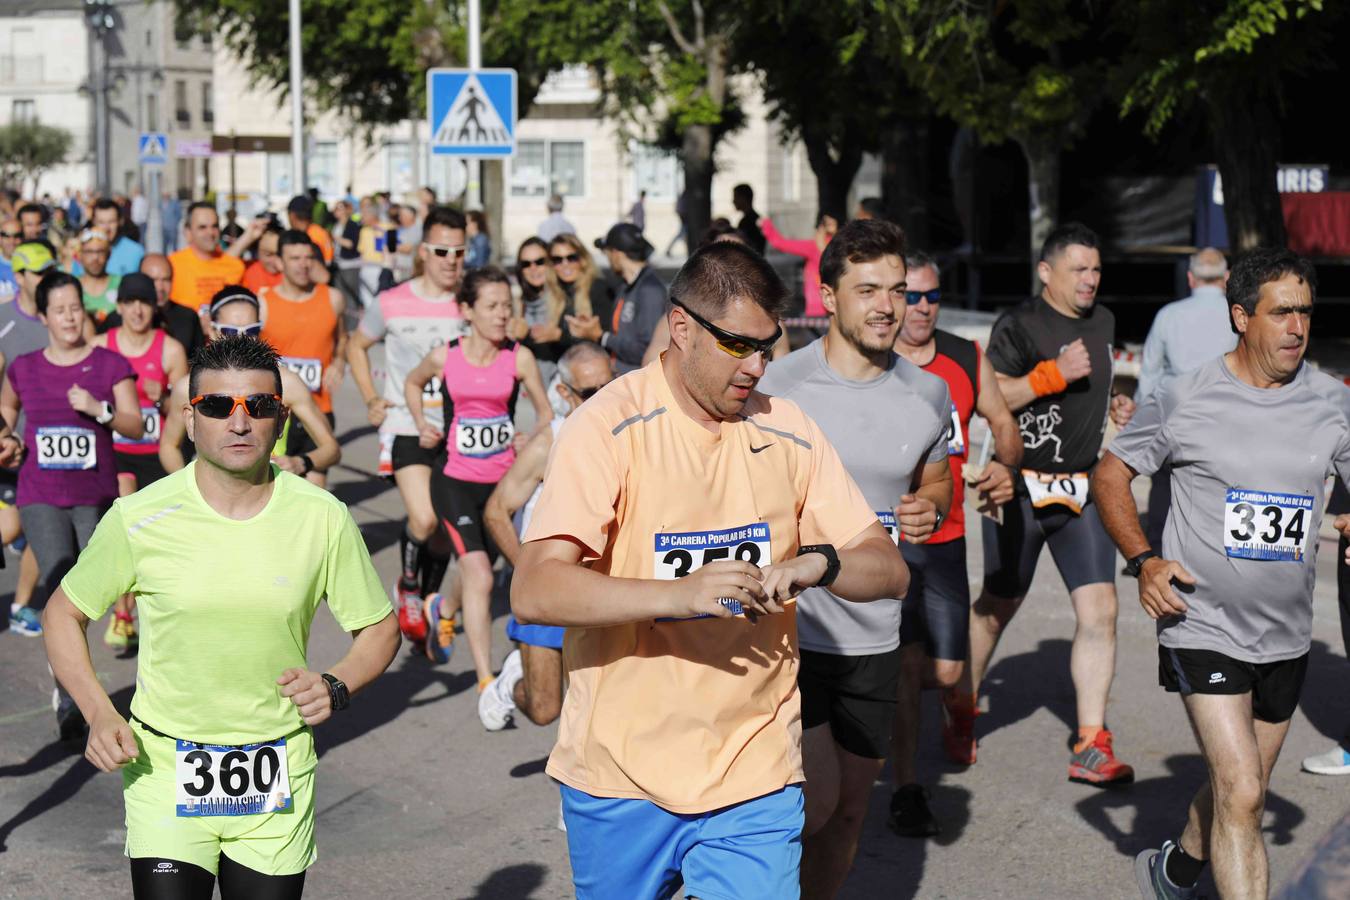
[153, 148]
[472, 112]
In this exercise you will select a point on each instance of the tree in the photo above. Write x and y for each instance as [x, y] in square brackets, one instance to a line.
[1030, 72]
[27, 149]
[1230, 57]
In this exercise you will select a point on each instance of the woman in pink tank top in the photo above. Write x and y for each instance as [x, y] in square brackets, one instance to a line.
[482, 374]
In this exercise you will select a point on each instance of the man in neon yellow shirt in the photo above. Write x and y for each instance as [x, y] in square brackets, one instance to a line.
[229, 559]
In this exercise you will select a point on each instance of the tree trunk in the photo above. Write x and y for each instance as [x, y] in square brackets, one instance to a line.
[697, 151]
[1246, 142]
[1042, 157]
[904, 177]
[834, 177]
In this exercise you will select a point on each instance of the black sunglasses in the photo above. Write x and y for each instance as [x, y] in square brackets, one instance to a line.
[569, 258]
[222, 406]
[584, 393]
[531, 263]
[912, 298]
[737, 345]
[11, 234]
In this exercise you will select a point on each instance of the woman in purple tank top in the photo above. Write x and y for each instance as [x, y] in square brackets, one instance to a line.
[73, 395]
[482, 373]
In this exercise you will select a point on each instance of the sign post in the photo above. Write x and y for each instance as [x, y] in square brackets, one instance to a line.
[153, 152]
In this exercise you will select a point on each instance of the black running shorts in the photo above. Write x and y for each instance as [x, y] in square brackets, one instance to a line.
[1274, 686]
[1079, 545]
[854, 695]
[406, 451]
[936, 611]
[459, 505]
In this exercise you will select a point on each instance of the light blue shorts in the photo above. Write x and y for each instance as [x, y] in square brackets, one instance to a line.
[635, 850]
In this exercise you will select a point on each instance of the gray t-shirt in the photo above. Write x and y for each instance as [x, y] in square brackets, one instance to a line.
[1249, 469]
[20, 333]
[885, 430]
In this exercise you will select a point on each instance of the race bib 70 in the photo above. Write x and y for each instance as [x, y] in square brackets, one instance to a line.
[677, 554]
[1069, 490]
[150, 416]
[956, 442]
[308, 370]
[1266, 525]
[231, 781]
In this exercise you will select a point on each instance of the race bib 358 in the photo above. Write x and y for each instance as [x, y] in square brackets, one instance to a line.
[677, 554]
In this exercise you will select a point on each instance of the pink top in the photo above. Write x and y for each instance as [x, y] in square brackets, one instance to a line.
[149, 366]
[480, 414]
[806, 249]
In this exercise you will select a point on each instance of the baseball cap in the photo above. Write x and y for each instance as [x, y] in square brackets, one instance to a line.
[135, 286]
[628, 240]
[31, 258]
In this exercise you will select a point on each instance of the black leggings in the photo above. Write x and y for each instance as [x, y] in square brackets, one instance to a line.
[155, 878]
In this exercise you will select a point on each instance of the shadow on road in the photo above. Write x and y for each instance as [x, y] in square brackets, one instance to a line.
[533, 767]
[366, 487]
[66, 785]
[898, 862]
[1017, 686]
[1324, 701]
[389, 696]
[1159, 805]
[517, 882]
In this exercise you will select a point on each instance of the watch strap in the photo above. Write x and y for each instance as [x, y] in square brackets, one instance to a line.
[831, 561]
[1134, 565]
[337, 692]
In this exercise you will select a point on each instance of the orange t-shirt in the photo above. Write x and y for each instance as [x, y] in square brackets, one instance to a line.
[304, 333]
[321, 237]
[196, 280]
[694, 714]
[256, 277]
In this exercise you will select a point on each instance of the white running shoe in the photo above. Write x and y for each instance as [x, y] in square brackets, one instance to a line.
[495, 704]
[1335, 761]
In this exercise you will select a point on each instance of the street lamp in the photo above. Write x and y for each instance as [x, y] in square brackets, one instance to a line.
[98, 14]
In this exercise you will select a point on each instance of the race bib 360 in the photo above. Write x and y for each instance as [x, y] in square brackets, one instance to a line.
[231, 781]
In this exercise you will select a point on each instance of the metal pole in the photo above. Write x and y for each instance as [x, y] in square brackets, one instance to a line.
[101, 111]
[473, 195]
[298, 183]
[154, 223]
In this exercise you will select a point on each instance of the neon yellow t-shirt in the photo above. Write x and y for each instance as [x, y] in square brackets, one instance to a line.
[225, 606]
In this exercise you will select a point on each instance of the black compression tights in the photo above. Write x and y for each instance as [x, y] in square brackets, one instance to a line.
[155, 878]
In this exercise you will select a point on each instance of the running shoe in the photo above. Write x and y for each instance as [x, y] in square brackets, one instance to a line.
[439, 631]
[1097, 764]
[910, 815]
[958, 734]
[70, 724]
[25, 621]
[410, 619]
[121, 633]
[1151, 875]
[496, 702]
[1335, 761]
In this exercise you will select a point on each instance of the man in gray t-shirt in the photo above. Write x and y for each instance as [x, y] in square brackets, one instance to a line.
[1251, 438]
[889, 421]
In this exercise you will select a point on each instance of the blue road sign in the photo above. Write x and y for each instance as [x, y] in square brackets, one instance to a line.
[472, 112]
[153, 148]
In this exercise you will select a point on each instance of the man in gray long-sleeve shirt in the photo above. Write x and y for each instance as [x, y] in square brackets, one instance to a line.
[638, 308]
[1185, 335]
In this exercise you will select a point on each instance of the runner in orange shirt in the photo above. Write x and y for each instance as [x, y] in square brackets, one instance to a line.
[303, 321]
[300, 212]
[681, 513]
[201, 268]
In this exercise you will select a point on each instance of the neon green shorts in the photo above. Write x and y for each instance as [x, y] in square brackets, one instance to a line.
[278, 843]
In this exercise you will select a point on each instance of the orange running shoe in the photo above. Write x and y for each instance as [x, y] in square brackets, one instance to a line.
[958, 734]
[440, 630]
[1097, 764]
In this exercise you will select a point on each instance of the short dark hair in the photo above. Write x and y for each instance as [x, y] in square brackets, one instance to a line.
[444, 216]
[1062, 237]
[1261, 266]
[301, 206]
[294, 236]
[872, 206]
[239, 353]
[743, 190]
[200, 204]
[720, 272]
[55, 279]
[106, 203]
[479, 278]
[861, 240]
[32, 208]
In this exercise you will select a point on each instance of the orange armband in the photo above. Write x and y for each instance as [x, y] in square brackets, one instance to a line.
[1047, 379]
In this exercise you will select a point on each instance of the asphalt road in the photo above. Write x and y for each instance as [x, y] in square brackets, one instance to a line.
[414, 798]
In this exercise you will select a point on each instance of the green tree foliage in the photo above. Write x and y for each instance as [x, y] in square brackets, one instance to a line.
[27, 149]
[1228, 60]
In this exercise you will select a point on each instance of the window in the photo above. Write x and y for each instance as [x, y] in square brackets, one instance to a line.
[543, 167]
[398, 167]
[24, 111]
[655, 171]
[321, 168]
[279, 174]
[180, 104]
[791, 174]
[182, 35]
[208, 109]
[152, 112]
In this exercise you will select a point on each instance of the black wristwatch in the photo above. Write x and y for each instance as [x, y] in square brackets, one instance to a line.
[306, 463]
[831, 562]
[1133, 566]
[337, 692]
